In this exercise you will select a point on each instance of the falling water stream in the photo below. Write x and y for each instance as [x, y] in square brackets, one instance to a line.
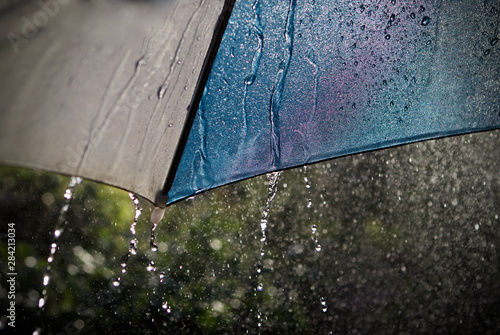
[314, 230]
[132, 248]
[59, 229]
[314, 227]
[273, 178]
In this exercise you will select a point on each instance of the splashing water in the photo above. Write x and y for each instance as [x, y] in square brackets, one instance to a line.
[132, 247]
[59, 229]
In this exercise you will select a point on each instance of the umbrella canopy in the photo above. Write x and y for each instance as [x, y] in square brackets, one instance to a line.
[101, 89]
[95, 90]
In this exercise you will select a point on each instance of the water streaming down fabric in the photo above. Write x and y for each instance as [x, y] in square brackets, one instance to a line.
[322, 79]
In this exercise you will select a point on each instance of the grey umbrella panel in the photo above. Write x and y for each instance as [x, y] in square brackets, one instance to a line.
[101, 89]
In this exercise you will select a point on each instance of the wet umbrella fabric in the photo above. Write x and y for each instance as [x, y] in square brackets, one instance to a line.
[292, 83]
[296, 82]
[101, 89]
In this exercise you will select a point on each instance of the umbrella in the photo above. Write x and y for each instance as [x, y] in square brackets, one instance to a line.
[168, 99]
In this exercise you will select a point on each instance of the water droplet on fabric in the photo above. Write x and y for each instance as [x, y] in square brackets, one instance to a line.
[161, 91]
[387, 37]
[494, 41]
[425, 20]
[260, 287]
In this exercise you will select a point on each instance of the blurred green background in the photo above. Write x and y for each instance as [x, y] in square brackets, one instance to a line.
[409, 237]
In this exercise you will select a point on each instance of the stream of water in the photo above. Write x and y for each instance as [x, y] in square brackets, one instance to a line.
[61, 224]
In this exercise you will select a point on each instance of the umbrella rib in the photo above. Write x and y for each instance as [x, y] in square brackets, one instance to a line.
[220, 27]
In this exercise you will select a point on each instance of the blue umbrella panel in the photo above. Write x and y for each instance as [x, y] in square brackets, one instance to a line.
[297, 82]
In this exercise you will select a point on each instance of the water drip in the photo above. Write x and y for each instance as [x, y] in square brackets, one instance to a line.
[152, 244]
[324, 307]
[314, 228]
[59, 229]
[133, 245]
[272, 178]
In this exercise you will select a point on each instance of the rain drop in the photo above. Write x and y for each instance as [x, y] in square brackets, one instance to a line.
[324, 307]
[57, 233]
[151, 266]
[494, 41]
[260, 287]
[387, 37]
[116, 282]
